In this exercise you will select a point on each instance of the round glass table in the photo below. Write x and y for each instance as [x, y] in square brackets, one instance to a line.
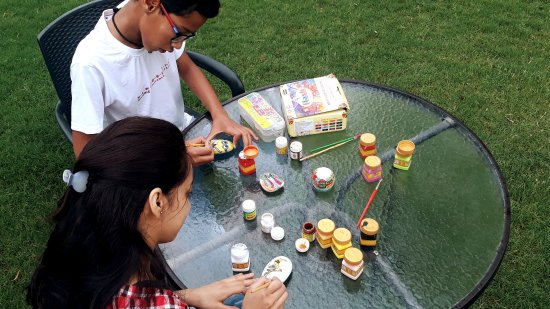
[444, 224]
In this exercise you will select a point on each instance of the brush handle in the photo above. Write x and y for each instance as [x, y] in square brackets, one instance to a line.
[332, 144]
[366, 207]
[325, 150]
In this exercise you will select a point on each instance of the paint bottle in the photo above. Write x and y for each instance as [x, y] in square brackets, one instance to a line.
[325, 229]
[249, 210]
[296, 150]
[367, 145]
[403, 155]
[240, 258]
[308, 231]
[281, 145]
[246, 166]
[353, 265]
[341, 240]
[267, 221]
[372, 169]
[369, 231]
[322, 179]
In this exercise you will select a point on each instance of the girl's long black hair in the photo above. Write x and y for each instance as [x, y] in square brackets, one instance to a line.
[96, 246]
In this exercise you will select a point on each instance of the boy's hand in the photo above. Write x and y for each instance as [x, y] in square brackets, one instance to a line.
[225, 124]
[274, 296]
[199, 154]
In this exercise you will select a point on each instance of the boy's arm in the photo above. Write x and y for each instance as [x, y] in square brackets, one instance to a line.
[192, 75]
[79, 141]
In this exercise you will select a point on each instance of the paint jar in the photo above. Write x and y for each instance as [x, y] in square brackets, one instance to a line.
[372, 169]
[249, 210]
[296, 151]
[369, 231]
[267, 221]
[353, 265]
[246, 166]
[240, 258]
[341, 240]
[325, 229]
[308, 231]
[403, 155]
[322, 179]
[367, 145]
[277, 233]
[281, 145]
[301, 244]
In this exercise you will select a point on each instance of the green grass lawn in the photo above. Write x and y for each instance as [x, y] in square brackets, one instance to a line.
[486, 62]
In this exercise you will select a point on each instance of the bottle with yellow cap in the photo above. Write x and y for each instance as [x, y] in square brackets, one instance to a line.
[372, 169]
[353, 265]
[403, 155]
[325, 229]
[341, 240]
[367, 145]
[369, 232]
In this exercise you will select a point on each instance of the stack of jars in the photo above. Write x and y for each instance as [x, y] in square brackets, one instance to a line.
[403, 155]
[372, 169]
[247, 165]
[341, 240]
[369, 231]
[325, 229]
[352, 265]
[367, 145]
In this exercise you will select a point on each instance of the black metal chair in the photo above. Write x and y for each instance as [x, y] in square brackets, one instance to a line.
[58, 42]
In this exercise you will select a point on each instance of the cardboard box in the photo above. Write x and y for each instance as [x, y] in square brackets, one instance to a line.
[314, 106]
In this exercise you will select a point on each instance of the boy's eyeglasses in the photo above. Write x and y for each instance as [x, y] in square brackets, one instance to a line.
[180, 37]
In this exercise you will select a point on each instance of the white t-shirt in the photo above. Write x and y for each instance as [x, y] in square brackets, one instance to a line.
[111, 81]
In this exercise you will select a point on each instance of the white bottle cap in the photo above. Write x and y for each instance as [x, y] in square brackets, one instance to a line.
[281, 142]
[249, 206]
[295, 146]
[239, 251]
[277, 233]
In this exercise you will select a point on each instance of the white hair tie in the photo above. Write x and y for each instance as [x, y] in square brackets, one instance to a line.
[78, 181]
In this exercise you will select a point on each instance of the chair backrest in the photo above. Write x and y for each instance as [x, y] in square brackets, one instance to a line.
[58, 42]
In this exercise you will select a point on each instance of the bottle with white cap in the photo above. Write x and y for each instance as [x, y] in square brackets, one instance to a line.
[240, 258]
[249, 210]
[281, 145]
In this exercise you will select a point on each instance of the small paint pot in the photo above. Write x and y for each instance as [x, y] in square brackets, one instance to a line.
[249, 210]
[277, 233]
[296, 150]
[267, 221]
[323, 179]
[251, 151]
[308, 231]
[281, 145]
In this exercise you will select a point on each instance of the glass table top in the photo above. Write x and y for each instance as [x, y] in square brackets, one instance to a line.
[444, 223]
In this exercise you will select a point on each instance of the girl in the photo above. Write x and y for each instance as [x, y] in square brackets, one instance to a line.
[128, 192]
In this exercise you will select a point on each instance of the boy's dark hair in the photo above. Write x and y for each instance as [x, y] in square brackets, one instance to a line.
[96, 245]
[207, 8]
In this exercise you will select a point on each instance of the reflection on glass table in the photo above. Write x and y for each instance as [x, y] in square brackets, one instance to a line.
[444, 223]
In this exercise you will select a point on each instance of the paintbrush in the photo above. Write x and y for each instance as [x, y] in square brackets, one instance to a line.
[373, 194]
[330, 148]
[335, 143]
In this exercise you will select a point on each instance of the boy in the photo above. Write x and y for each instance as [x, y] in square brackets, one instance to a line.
[131, 65]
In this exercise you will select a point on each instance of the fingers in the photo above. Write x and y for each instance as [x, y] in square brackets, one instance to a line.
[280, 302]
[200, 155]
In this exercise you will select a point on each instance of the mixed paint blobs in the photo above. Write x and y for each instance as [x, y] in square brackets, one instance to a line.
[403, 155]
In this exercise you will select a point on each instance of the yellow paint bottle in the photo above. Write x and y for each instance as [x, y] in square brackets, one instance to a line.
[367, 145]
[341, 240]
[325, 229]
[403, 155]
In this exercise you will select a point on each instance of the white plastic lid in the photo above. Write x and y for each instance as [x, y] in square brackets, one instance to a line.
[239, 251]
[302, 244]
[281, 141]
[277, 233]
[295, 146]
[249, 205]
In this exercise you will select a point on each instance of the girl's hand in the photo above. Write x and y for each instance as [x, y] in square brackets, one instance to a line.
[199, 154]
[274, 296]
[223, 123]
[213, 295]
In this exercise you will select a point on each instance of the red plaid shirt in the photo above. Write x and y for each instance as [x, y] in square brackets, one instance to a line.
[137, 297]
